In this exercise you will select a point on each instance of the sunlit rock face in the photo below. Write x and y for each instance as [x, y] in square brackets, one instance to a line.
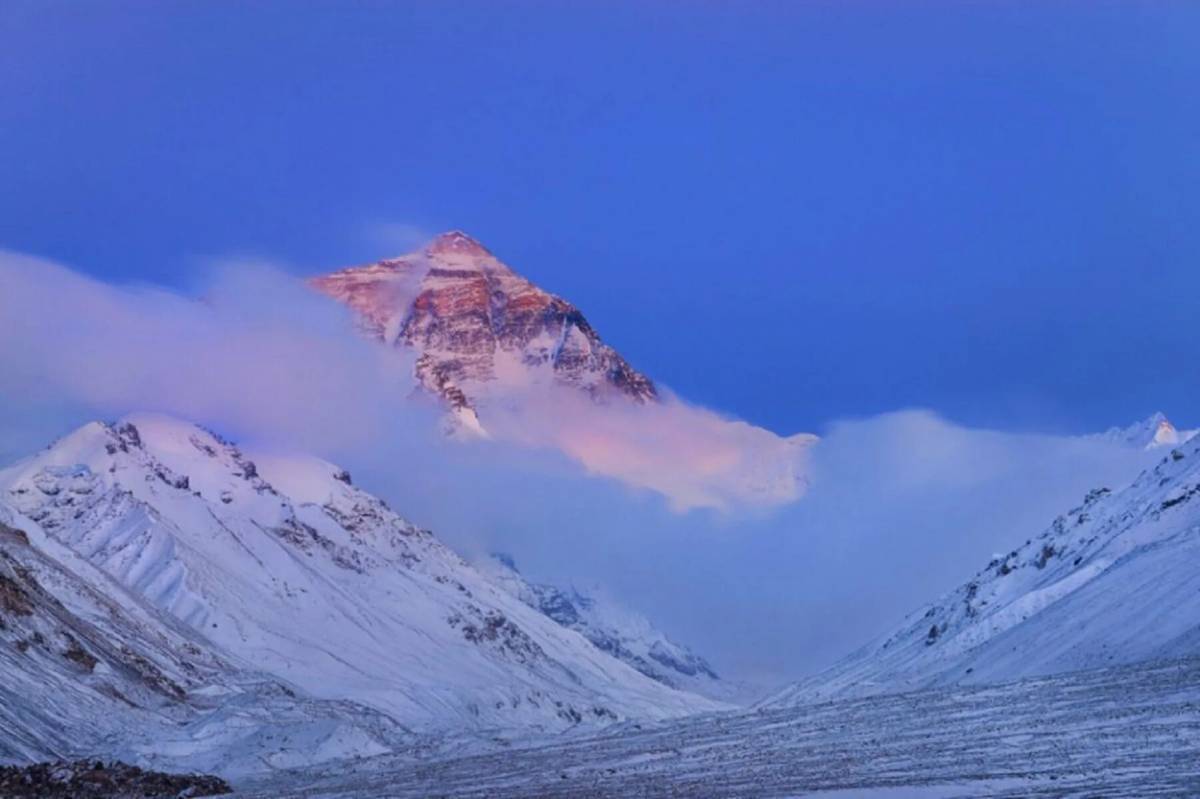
[514, 363]
[476, 326]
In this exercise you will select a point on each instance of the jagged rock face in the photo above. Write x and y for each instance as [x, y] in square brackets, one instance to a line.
[474, 323]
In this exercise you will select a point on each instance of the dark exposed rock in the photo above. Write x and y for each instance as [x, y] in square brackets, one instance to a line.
[129, 436]
[1186, 495]
[498, 631]
[13, 598]
[94, 778]
[78, 654]
[179, 481]
[691, 665]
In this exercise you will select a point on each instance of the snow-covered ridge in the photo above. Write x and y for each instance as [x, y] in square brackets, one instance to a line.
[617, 630]
[284, 563]
[1111, 581]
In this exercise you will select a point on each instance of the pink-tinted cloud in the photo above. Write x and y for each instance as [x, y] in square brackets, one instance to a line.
[692, 456]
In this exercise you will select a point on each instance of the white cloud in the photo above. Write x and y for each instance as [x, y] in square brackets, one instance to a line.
[259, 354]
[693, 457]
[900, 506]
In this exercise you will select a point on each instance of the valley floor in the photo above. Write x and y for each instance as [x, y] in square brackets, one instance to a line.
[1122, 732]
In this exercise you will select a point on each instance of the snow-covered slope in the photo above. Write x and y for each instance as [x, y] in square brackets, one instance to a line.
[286, 564]
[90, 669]
[617, 630]
[1112, 581]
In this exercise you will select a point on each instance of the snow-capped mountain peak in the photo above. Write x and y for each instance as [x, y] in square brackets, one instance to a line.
[284, 562]
[456, 243]
[477, 327]
[1166, 434]
[517, 364]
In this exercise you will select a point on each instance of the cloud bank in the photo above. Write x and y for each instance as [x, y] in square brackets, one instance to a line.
[691, 456]
[900, 507]
[256, 354]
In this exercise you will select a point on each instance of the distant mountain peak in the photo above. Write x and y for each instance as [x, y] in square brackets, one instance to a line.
[1165, 432]
[458, 243]
[1152, 432]
[476, 326]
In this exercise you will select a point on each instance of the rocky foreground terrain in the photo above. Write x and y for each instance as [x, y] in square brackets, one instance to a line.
[95, 778]
[1121, 732]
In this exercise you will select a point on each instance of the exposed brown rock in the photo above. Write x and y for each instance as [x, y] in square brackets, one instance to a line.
[78, 654]
[461, 309]
[13, 598]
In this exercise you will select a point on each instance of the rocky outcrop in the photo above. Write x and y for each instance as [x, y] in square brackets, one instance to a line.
[114, 780]
[475, 324]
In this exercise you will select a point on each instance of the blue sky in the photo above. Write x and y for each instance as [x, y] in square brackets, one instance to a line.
[791, 212]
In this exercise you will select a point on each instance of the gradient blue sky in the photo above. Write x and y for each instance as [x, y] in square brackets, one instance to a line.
[789, 211]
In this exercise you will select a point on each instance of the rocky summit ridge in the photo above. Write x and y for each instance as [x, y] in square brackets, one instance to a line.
[478, 327]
